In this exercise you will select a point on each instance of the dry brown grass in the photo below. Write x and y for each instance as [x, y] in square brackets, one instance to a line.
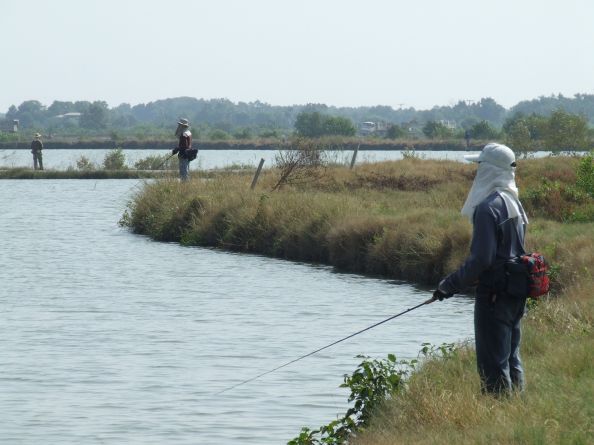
[349, 218]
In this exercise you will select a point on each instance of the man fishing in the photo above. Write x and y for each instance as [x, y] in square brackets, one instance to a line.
[184, 148]
[36, 147]
[499, 223]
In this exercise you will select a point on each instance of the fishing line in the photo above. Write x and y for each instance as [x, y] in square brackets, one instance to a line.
[324, 347]
[165, 162]
[143, 181]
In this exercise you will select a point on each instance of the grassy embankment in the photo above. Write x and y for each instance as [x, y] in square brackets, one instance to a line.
[27, 173]
[401, 220]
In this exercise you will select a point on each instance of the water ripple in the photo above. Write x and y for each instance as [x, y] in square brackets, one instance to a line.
[104, 343]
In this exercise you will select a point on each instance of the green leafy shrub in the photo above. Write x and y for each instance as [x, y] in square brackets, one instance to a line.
[243, 133]
[585, 175]
[483, 130]
[84, 164]
[8, 137]
[269, 133]
[373, 382]
[115, 160]
[155, 162]
[434, 129]
[315, 124]
[218, 135]
[518, 136]
[555, 200]
[566, 131]
[563, 201]
[395, 132]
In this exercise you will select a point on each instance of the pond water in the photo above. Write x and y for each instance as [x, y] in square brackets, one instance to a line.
[207, 159]
[110, 338]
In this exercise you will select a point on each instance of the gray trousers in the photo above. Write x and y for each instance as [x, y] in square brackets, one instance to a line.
[497, 337]
[37, 160]
[184, 169]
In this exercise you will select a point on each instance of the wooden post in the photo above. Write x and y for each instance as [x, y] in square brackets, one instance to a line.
[255, 180]
[355, 156]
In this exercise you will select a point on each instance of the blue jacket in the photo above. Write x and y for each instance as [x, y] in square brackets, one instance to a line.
[495, 240]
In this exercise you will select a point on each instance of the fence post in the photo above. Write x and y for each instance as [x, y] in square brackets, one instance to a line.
[255, 180]
[355, 156]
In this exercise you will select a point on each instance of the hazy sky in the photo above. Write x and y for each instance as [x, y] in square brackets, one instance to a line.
[339, 52]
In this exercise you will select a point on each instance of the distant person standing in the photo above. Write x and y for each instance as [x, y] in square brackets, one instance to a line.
[184, 150]
[36, 147]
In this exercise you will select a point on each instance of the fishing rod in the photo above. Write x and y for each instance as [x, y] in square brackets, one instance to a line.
[165, 161]
[431, 300]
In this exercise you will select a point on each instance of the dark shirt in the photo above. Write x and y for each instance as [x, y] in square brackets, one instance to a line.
[185, 141]
[495, 240]
[36, 145]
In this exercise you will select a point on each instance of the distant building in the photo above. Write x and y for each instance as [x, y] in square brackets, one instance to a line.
[366, 128]
[373, 128]
[412, 127]
[448, 124]
[68, 116]
[9, 126]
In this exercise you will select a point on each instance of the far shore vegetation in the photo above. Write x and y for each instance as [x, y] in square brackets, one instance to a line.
[547, 123]
[402, 220]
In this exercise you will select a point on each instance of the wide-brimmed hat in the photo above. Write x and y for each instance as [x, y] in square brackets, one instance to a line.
[497, 154]
[184, 122]
[37, 135]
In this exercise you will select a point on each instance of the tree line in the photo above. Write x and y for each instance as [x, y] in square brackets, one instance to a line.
[220, 119]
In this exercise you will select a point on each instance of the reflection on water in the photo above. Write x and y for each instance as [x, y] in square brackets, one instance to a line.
[107, 337]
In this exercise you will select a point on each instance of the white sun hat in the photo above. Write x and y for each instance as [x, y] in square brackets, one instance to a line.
[496, 154]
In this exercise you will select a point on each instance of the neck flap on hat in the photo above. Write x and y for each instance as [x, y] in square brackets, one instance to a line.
[490, 178]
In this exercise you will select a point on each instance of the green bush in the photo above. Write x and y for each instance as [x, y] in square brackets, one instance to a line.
[433, 129]
[483, 130]
[218, 135]
[566, 131]
[562, 202]
[518, 136]
[373, 382]
[84, 164]
[315, 124]
[243, 133]
[8, 137]
[155, 162]
[395, 132]
[585, 175]
[269, 133]
[115, 160]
